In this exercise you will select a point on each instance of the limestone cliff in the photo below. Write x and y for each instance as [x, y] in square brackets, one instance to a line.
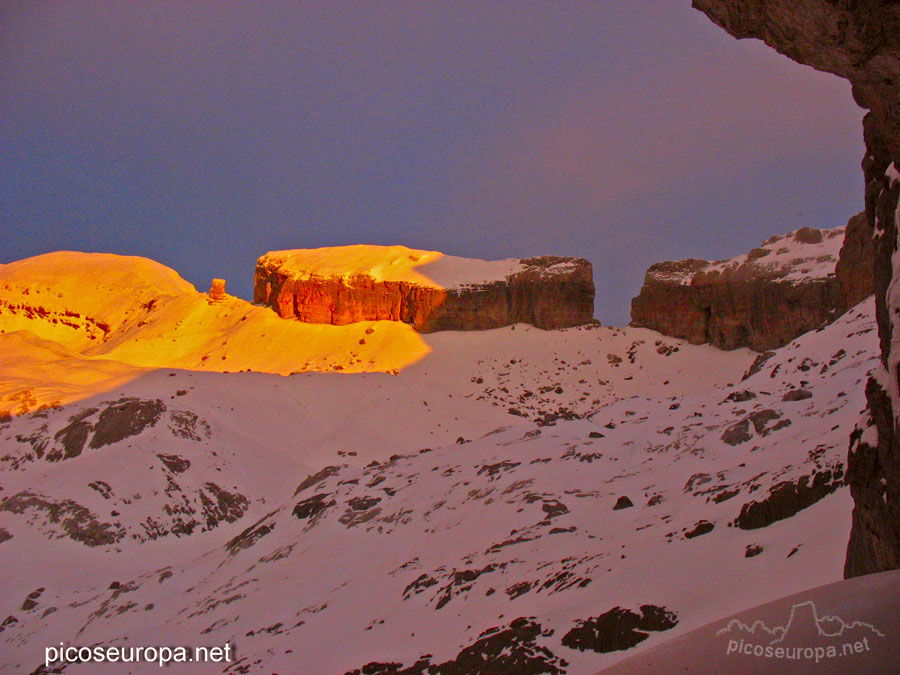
[857, 40]
[761, 300]
[427, 289]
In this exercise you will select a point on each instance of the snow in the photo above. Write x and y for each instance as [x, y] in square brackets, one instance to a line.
[389, 263]
[473, 477]
[786, 258]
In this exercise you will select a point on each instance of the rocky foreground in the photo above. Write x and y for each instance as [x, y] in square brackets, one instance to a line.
[429, 290]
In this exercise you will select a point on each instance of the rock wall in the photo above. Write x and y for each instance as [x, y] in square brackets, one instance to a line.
[549, 292]
[761, 300]
[855, 270]
[856, 39]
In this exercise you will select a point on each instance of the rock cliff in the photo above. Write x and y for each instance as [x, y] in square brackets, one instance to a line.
[761, 300]
[429, 290]
[858, 41]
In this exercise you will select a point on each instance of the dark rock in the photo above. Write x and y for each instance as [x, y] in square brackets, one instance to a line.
[75, 521]
[554, 508]
[492, 470]
[702, 527]
[855, 270]
[758, 364]
[623, 502]
[73, 436]
[618, 629]
[220, 506]
[797, 395]
[250, 536]
[363, 503]
[753, 550]
[174, 463]
[740, 396]
[316, 478]
[874, 543]
[127, 417]
[497, 651]
[788, 497]
[737, 433]
[312, 506]
[761, 419]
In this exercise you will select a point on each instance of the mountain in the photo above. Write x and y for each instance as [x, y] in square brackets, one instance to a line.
[522, 499]
[427, 289]
[762, 299]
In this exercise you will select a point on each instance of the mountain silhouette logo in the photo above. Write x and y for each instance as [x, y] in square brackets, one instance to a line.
[804, 626]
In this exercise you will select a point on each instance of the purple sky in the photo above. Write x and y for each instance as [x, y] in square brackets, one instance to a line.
[202, 134]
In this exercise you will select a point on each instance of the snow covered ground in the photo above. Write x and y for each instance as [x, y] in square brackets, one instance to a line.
[797, 256]
[516, 499]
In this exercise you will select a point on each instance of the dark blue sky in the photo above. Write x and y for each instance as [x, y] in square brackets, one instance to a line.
[203, 134]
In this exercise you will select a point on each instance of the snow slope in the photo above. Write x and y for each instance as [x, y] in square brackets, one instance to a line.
[463, 509]
[389, 263]
[802, 255]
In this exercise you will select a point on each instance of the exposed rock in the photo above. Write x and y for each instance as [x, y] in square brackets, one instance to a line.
[217, 289]
[872, 468]
[700, 528]
[623, 502]
[174, 463]
[127, 417]
[741, 396]
[312, 506]
[316, 478]
[250, 536]
[797, 395]
[618, 629]
[737, 433]
[426, 289]
[220, 505]
[497, 651]
[857, 41]
[63, 518]
[752, 550]
[855, 270]
[787, 498]
[761, 300]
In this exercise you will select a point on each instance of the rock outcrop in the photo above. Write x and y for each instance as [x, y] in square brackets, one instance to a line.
[858, 41]
[429, 290]
[217, 289]
[855, 270]
[761, 300]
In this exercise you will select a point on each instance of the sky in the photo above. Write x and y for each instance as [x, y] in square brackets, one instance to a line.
[204, 134]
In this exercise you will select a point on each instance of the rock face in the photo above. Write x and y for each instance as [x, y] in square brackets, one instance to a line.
[427, 289]
[858, 41]
[217, 289]
[761, 300]
[855, 270]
